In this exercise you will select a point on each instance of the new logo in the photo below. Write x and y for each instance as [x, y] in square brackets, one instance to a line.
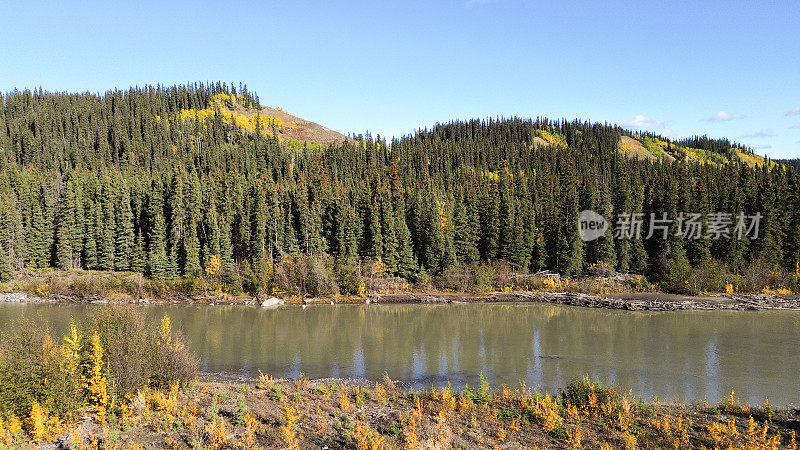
[591, 225]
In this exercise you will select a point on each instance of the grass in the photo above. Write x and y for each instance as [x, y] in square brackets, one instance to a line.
[584, 415]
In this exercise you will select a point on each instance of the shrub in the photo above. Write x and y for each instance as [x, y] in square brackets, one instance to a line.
[484, 278]
[709, 276]
[460, 279]
[119, 355]
[579, 391]
[676, 278]
[138, 355]
[348, 278]
[28, 356]
[305, 275]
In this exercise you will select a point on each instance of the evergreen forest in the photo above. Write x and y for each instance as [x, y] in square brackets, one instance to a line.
[180, 182]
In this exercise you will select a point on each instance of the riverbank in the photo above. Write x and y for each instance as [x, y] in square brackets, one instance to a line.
[640, 301]
[300, 413]
[624, 292]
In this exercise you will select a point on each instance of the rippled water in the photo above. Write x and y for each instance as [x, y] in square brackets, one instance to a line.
[691, 355]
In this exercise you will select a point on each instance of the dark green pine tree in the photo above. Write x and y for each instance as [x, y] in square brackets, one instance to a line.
[521, 249]
[106, 242]
[768, 245]
[138, 254]
[38, 245]
[67, 255]
[158, 262]
[226, 247]
[406, 263]
[464, 235]
[176, 223]
[124, 232]
[373, 237]
[389, 235]
[5, 267]
[507, 217]
[190, 241]
[490, 220]
[211, 231]
[570, 248]
[90, 250]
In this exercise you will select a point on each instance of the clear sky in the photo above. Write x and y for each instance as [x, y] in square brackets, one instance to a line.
[723, 68]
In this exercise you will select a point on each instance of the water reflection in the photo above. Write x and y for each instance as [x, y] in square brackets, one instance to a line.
[681, 355]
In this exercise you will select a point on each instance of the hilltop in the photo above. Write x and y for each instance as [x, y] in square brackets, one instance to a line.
[249, 115]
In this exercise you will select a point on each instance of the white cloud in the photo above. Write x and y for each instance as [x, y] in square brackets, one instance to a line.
[758, 134]
[642, 121]
[761, 147]
[724, 116]
[793, 112]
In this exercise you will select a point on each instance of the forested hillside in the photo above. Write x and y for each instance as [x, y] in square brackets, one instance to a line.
[195, 181]
[791, 162]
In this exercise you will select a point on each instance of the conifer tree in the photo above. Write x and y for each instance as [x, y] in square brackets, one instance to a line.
[124, 232]
[5, 266]
[37, 242]
[158, 263]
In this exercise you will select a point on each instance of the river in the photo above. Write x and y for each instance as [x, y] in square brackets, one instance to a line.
[678, 356]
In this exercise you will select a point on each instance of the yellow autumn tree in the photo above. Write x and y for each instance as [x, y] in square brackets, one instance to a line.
[95, 381]
[165, 330]
[213, 265]
[37, 422]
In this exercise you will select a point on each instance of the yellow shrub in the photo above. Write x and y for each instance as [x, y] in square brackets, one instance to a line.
[95, 383]
[448, 400]
[344, 401]
[380, 394]
[217, 434]
[576, 437]
[37, 422]
[757, 437]
[288, 432]
[546, 413]
[213, 265]
[721, 433]
[366, 438]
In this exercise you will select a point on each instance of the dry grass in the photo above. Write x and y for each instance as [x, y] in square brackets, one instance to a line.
[313, 414]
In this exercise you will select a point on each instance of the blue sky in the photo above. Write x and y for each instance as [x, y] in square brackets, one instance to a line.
[722, 68]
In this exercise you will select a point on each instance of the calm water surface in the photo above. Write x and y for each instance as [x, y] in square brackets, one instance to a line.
[690, 355]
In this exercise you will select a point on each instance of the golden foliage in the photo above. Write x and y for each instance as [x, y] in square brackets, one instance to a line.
[448, 400]
[575, 437]
[77, 439]
[288, 430]
[757, 437]
[722, 434]
[165, 330]
[379, 393]
[213, 265]
[546, 413]
[217, 433]
[366, 438]
[551, 283]
[37, 422]
[344, 402]
[95, 382]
